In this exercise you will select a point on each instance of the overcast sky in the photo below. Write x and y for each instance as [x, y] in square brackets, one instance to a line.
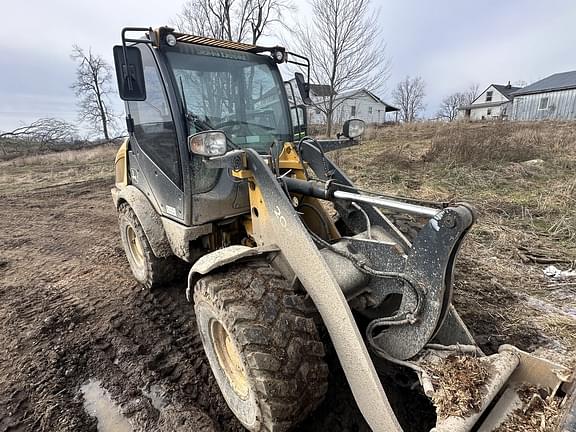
[450, 43]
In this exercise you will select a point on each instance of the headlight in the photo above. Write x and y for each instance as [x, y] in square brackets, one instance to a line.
[208, 143]
[353, 128]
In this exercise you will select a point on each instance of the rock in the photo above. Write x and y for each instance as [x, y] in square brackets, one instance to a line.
[532, 162]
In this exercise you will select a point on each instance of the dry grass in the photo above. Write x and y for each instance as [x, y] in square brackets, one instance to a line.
[502, 142]
[459, 385]
[52, 169]
[540, 413]
[64, 157]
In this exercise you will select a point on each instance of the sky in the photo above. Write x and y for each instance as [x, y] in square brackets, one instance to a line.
[449, 43]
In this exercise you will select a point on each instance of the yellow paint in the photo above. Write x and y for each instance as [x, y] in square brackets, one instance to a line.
[230, 360]
[121, 165]
[259, 214]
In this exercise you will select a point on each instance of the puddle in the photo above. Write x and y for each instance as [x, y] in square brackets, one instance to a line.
[156, 396]
[99, 404]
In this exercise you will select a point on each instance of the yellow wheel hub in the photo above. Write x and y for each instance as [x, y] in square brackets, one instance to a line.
[135, 247]
[229, 359]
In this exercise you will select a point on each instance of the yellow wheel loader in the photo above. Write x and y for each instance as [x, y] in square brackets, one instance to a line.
[219, 172]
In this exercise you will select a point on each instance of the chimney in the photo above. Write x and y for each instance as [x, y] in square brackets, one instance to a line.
[509, 85]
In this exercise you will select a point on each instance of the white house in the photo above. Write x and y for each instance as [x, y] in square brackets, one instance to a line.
[493, 103]
[361, 104]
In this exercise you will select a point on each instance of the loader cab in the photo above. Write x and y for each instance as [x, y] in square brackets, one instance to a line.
[176, 89]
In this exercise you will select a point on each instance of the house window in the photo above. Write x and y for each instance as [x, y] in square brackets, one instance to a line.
[369, 110]
[489, 96]
[543, 103]
[317, 111]
[489, 111]
[353, 110]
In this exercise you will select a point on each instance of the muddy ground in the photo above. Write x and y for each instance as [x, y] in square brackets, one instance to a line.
[70, 312]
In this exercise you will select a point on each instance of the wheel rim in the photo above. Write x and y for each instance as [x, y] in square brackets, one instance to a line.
[135, 246]
[229, 360]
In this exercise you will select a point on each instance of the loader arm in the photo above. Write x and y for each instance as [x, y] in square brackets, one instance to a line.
[276, 222]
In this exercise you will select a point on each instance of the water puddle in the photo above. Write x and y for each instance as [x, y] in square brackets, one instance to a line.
[156, 396]
[99, 404]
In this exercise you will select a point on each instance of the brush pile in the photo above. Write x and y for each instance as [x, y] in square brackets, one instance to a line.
[459, 384]
[539, 412]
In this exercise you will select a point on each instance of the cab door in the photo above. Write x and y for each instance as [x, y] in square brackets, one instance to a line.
[155, 165]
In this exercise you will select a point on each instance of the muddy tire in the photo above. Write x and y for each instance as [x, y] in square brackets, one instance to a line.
[148, 269]
[263, 348]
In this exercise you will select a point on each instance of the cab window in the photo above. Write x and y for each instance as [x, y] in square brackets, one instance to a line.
[154, 127]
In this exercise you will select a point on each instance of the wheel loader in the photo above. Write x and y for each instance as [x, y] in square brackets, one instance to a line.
[287, 256]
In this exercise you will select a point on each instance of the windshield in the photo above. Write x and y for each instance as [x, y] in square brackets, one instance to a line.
[236, 92]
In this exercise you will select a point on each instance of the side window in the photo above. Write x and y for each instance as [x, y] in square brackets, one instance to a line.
[153, 124]
[489, 96]
[543, 103]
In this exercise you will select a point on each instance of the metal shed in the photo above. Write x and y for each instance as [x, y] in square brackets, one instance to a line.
[552, 98]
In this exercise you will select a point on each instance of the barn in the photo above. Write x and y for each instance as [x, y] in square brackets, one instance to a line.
[552, 98]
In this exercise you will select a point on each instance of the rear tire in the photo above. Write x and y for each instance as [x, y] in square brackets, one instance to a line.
[263, 348]
[148, 269]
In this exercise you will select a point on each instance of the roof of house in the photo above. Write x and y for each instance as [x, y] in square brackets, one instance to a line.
[506, 90]
[321, 89]
[556, 82]
[351, 93]
[483, 105]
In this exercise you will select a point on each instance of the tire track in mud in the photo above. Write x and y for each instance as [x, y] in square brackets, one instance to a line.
[156, 336]
[63, 278]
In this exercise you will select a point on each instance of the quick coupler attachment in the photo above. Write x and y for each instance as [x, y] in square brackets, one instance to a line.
[405, 294]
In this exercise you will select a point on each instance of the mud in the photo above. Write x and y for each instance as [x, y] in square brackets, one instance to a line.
[71, 313]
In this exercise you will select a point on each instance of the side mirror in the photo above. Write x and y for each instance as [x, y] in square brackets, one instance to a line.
[207, 143]
[352, 128]
[130, 73]
[303, 88]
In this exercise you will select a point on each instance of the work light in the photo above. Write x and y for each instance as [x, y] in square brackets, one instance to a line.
[171, 39]
[353, 128]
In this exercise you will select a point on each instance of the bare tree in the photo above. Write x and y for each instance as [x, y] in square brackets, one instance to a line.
[470, 94]
[45, 132]
[450, 104]
[409, 96]
[235, 20]
[520, 83]
[93, 86]
[346, 50]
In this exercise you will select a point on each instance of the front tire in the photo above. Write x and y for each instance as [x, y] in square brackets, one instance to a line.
[263, 348]
[148, 269]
